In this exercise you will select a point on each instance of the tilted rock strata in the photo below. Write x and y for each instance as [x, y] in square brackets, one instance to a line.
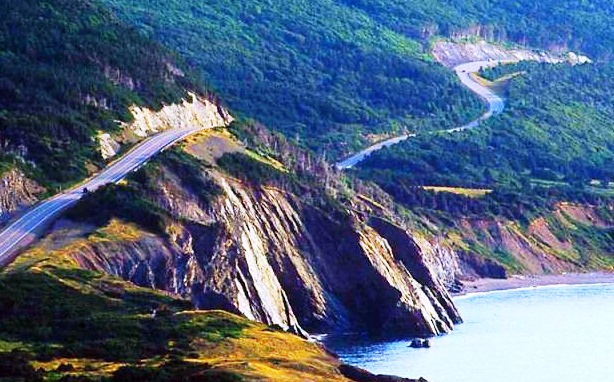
[262, 252]
[197, 111]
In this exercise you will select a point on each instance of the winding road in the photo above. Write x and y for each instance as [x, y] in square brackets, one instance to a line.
[494, 102]
[23, 231]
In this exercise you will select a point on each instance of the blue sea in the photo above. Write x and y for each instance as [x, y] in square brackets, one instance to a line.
[543, 334]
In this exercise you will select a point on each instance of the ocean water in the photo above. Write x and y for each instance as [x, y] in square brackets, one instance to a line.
[544, 334]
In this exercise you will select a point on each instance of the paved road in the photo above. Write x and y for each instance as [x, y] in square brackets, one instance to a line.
[23, 231]
[361, 155]
[463, 71]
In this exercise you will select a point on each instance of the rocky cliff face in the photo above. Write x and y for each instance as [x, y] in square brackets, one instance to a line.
[16, 192]
[569, 238]
[195, 111]
[267, 254]
[452, 54]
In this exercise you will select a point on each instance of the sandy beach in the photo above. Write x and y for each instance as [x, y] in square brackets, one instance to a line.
[517, 281]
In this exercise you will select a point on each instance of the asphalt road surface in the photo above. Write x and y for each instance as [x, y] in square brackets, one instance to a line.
[22, 231]
[494, 102]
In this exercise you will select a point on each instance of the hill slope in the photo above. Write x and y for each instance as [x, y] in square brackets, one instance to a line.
[332, 72]
[551, 146]
[59, 321]
[69, 71]
[80, 71]
[556, 127]
[550, 24]
[321, 70]
[255, 235]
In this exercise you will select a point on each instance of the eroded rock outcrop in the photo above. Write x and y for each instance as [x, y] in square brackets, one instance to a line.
[569, 238]
[265, 253]
[16, 192]
[452, 54]
[195, 111]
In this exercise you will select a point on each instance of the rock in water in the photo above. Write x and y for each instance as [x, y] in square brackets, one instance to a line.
[420, 343]
[361, 375]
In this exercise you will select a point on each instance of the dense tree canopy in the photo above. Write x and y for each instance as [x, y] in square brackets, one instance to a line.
[577, 25]
[556, 132]
[321, 70]
[69, 69]
[331, 72]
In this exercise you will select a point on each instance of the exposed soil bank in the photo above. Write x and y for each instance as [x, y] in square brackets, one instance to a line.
[515, 282]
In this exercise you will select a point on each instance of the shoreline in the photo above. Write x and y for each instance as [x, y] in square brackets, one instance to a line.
[530, 281]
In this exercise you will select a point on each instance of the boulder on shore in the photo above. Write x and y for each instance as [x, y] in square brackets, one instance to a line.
[420, 343]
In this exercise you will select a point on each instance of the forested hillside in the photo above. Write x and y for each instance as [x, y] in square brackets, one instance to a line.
[556, 133]
[68, 70]
[583, 26]
[331, 72]
[321, 70]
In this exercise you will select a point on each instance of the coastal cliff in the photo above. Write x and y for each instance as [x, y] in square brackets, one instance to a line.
[571, 237]
[266, 254]
[262, 249]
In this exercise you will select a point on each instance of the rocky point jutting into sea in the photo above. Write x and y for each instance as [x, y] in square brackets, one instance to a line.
[269, 255]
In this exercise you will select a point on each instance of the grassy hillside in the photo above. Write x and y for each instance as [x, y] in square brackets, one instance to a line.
[322, 70]
[69, 70]
[61, 323]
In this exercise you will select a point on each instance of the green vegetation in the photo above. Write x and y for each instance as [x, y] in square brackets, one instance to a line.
[53, 312]
[328, 73]
[553, 143]
[69, 70]
[85, 322]
[175, 371]
[122, 201]
[6, 164]
[332, 72]
[322, 71]
[272, 160]
[469, 192]
[579, 25]
[135, 199]
[249, 169]
[189, 171]
[553, 140]
[501, 71]
[62, 323]
[498, 256]
[520, 205]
